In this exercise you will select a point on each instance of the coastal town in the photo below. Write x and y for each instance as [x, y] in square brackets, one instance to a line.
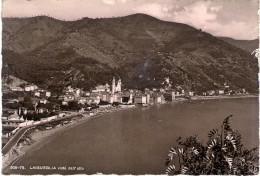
[130, 87]
[29, 105]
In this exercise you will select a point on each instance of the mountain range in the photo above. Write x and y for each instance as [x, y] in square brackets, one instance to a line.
[247, 45]
[140, 49]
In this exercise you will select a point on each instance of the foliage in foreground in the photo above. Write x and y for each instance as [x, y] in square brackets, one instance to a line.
[223, 154]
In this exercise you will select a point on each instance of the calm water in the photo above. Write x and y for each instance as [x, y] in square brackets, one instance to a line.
[136, 141]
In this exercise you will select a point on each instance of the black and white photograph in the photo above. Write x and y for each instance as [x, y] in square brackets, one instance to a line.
[130, 87]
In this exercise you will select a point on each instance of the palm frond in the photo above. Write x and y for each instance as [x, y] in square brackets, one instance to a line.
[181, 151]
[226, 123]
[195, 151]
[227, 118]
[232, 141]
[229, 161]
[213, 133]
[170, 169]
[255, 149]
[212, 143]
[167, 161]
[234, 170]
[179, 138]
[224, 149]
[171, 154]
[173, 151]
[184, 170]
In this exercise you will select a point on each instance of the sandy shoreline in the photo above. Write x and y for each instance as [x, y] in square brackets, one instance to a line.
[222, 97]
[35, 139]
[194, 98]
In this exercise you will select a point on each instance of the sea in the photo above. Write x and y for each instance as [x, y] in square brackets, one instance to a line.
[137, 140]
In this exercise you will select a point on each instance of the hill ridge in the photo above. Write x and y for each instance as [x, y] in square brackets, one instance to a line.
[143, 54]
[246, 45]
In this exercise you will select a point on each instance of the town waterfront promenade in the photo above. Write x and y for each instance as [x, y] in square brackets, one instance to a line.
[136, 141]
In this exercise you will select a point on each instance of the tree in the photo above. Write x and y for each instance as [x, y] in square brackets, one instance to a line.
[73, 105]
[14, 105]
[56, 88]
[103, 102]
[223, 154]
[28, 102]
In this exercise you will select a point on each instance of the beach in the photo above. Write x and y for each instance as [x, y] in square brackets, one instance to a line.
[35, 138]
[222, 97]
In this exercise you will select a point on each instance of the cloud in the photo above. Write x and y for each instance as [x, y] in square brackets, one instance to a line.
[215, 9]
[113, 2]
[205, 16]
[234, 29]
[197, 15]
[109, 2]
[154, 9]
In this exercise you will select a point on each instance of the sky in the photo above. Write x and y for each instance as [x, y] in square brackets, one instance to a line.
[237, 19]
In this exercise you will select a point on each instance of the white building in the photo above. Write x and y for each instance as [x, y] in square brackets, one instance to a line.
[17, 89]
[77, 92]
[27, 88]
[130, 101]
[117, 98]
[69, 97]
[140, 99]
[118, 87]
[65, 102]
[101, 88]
[173, 96]
[113, 85]
[167, 80]
[191, 94]
[69, 89]
[48, 94]
[37, 94]
[148, 98]
[43, 101]
[33, 87]
[221, 92]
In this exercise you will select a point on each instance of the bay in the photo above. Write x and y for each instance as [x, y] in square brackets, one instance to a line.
[136, 141]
